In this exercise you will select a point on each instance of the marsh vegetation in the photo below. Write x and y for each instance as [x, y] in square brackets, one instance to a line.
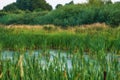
[49, 53]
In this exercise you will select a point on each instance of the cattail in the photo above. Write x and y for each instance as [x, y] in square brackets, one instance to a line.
[65, 74]
[21, 66]
[105, 74]
[1, 70]
[77, 77]
[1, 74]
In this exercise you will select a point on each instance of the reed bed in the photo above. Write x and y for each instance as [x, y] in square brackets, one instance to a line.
[87, 50]
[85, 39]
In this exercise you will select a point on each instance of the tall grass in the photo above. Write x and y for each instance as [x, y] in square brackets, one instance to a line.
[84, 39]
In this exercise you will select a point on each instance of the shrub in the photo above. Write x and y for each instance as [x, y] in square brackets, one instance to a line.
[10, 17]
[114, 18]
[110, 14]
[70, 15]
[21, 18]
[2, 13]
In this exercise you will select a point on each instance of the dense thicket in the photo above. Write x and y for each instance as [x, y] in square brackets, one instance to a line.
[69, 15]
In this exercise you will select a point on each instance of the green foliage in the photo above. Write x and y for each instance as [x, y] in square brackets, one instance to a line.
[3, 13]
[69, 15]
[70, 3]
[59, 5]
[24, 4]
[95, 2]
[114, 19]
[10, 17]
[107, 1]
[110, 14]
[21, 18]
[11, 7]
[41, 4]
[33, 4]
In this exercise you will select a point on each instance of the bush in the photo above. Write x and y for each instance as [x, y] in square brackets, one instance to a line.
[110, 14]
[10, 17]
[21, 18]
[70, 15]
[2, 13]
[114, 19]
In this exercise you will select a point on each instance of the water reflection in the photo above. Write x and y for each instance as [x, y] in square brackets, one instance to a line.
[48, 57]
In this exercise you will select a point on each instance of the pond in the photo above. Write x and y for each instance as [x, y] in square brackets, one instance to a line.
[48, 57]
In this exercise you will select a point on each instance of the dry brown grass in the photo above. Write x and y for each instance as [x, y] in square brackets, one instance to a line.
[24, 26]
[33, 27]
[53, 28]
[95, 25]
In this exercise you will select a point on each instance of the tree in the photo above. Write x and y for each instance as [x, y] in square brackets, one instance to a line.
[95, 2]
[41, 4]
[24, 4]
[58, 6]
[11, 7]
[33, 4]
[107, 1]
[71, 2]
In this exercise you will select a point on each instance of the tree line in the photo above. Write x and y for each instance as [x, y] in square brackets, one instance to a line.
[32, 5]
[70, 14]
